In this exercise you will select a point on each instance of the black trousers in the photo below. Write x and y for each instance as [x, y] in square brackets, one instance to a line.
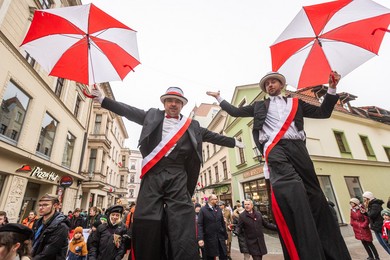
[303, 206]
[164, 210]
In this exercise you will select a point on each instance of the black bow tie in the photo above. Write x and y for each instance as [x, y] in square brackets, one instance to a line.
[168, 116]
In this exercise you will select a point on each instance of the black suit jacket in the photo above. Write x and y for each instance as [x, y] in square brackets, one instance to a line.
[259, 109]
[151, 135]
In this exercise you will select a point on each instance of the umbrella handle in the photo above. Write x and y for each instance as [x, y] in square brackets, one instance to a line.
[88, 95]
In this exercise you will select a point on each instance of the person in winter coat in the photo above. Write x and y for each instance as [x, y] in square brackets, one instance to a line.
[373, 208]
[92, 217]
[50, 240]
[227, 217]
[29, 221]
[212, 230]
[360, 224]
[77, 246]
[240, 237]
[386, 225]
[76, 220]
[251, 223]
[109, 240]
[15, 242]
[92, 234]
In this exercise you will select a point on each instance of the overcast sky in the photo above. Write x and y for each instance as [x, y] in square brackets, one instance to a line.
[202, 45]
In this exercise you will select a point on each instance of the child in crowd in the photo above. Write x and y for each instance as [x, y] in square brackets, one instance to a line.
[386, 225]
[77, 246]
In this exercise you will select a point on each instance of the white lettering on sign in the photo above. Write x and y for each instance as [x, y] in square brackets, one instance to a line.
[40, 174]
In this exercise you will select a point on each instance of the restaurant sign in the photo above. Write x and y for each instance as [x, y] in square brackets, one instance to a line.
[39, 173]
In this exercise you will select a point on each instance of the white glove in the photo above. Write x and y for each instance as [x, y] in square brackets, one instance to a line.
[98, 95]
[239, 144]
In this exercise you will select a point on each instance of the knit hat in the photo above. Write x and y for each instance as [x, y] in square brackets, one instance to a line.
[368, 195]
[104, 218]
[385, 212]
[355, 200]
[78, 230]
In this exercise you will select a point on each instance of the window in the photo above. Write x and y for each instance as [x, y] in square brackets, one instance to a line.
[122, 182]
[203, 155]
[45, 4]
[327, 188]
[92, 161]
[208, 151]
[131, 193]
[59, 86]
[123, 160]
[387, 151]
[132, 177]
[367, 147]
[30, 59]
[216, 174]
[342, 144]
[241, 158]
[225, 173]
[214, 148]
[13, 111]
[2, 181]
[242, 103]
[201, 180]
[205, 179]
[210, 179]
[48, 132]
[77, 106]
[132, 165]
[354, 188]
[68, 150]
[98, 124]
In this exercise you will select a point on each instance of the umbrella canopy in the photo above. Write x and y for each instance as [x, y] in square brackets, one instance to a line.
[82, 43]
[339, 35]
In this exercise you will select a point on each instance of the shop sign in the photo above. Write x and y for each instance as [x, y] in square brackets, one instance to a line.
[39, 173]
[66, 181]
[253, 172]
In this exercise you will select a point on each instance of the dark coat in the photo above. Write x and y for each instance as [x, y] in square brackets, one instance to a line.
[258, 110]
[240, 238]
[151, 135]
[53, 241]
[102, 243]
[251, 225]
[77, 222]
[374, 213]
[360, 224]
[212, 230]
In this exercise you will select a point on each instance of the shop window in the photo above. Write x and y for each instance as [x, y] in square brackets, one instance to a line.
[367, 147]
[387, 151]
[68, 151]
[342, 144]
[13, 111]
[98, 124]
[47, 135]
[354, 188]
[327, 188]
[257, 192]
[99, 201]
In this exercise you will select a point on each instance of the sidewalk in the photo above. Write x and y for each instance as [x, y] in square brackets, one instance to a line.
[355, 247]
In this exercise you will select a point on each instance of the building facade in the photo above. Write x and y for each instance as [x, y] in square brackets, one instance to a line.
[134, 178]
[43, 120]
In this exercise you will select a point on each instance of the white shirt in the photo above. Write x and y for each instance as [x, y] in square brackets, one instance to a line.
[168, 124]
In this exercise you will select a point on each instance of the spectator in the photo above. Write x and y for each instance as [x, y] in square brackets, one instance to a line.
[15, 242]
[76, 220]
[373, 208]
[50, 239]
[30, 220]
[92, 217]
[212, 230]
[92, 234]
[251, 223]
[70, 214]
[77, 246]
[360, 224]
[240, 237]
[109, 240]
[227, 217]
[197, 210]
[386, 225]
[3, 218]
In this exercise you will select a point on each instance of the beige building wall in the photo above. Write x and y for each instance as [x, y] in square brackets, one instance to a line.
[20, 190]
[134, 180]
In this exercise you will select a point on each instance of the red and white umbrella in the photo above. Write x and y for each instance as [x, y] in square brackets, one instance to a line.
[82, 43]
[339, 35]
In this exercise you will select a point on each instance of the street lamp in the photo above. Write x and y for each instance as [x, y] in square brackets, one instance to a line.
[259, 157]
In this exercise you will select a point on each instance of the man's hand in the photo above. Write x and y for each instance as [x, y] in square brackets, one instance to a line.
[239, 144]
[98, 96]
[201, 243]
[334, 79]
[214, 94]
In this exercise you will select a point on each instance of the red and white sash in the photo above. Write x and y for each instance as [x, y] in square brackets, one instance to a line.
[281, 128]
[165, 145]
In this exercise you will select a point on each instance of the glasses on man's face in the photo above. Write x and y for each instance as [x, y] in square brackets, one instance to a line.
[44, 205]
